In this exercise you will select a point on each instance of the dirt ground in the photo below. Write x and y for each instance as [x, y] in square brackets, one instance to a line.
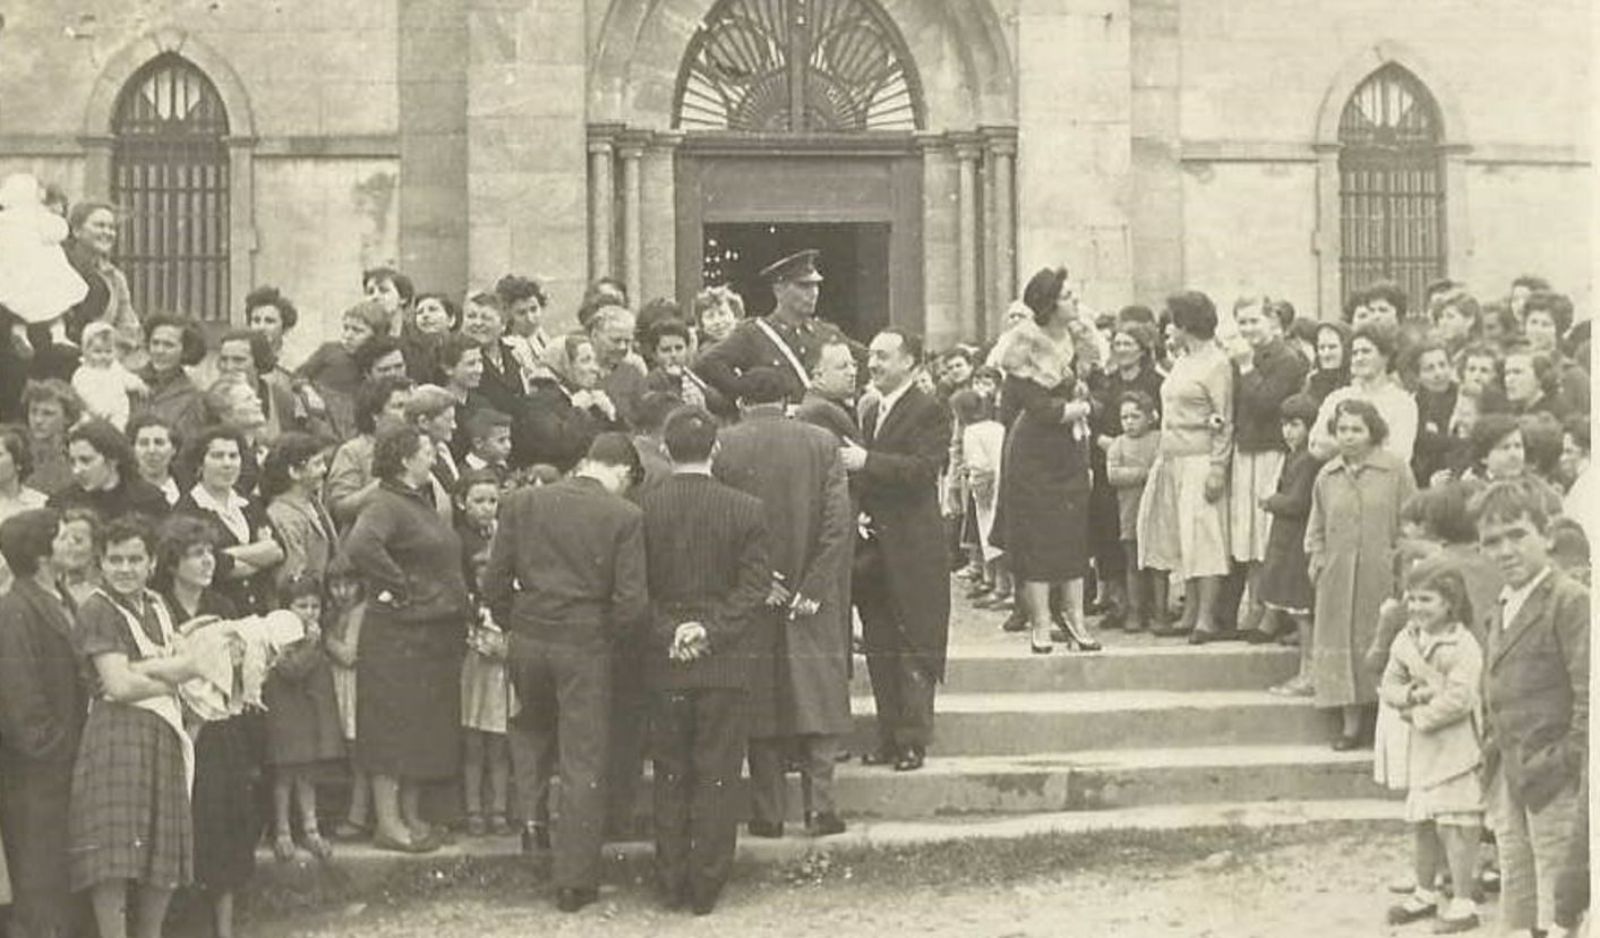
[1330, 885]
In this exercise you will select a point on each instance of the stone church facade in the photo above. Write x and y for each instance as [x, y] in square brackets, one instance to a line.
[936, 150]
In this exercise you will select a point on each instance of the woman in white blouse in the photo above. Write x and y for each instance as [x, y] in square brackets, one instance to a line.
[1372, 379]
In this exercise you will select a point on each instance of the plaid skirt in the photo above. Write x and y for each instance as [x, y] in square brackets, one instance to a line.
[130, 802]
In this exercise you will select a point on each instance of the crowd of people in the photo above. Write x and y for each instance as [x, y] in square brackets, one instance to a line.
[519, 556]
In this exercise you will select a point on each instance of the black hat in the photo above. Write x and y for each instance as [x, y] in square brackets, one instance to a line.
[799, 267]
[761, 386]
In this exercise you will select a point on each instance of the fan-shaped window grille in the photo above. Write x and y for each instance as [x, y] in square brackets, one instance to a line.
[797, 66]
[1391, 184]
[170, 176]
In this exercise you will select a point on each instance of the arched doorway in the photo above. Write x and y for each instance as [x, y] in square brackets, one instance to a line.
[1391, 184]
[170, 176]
[798, 119]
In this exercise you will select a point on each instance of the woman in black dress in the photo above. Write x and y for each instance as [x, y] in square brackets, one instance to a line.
[42, 705]
[247, 552]
[227, 753]
[408, 687]
[105, 476]
[1044, 488]
[566, 410]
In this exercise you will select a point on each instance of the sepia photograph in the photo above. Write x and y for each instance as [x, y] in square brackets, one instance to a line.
[799, 468]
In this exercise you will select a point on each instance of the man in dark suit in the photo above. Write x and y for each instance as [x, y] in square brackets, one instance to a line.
[901, 584]
[784, 339]
[1536, 699]
[709, 578]
[566, 576]
[800, 644]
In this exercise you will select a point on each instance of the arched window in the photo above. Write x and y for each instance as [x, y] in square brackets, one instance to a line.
[797, 66]
[1391, 184]
[170, 178]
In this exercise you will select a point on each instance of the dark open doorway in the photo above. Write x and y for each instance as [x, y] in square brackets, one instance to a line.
[854, 265]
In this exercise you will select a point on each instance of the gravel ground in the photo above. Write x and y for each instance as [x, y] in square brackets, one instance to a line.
[1330, 885]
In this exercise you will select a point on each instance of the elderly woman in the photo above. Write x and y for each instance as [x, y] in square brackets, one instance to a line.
[1372, 379]
[172, 344]
[379, 405]
[565, 410]
[53, 408]
[1350, 545]
[15, 497]
[1044, 490]
[154, 447]
[247, 553]
[227, 753]
[1183, 517]
[105, 476]
[42, 707]
[408, 675]
[93, 227]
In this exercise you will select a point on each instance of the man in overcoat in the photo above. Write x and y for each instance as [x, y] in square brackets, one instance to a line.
[799, 645]
[566, 577]
[784, 339]
[829, 401]
[900, 581]
[709, 579]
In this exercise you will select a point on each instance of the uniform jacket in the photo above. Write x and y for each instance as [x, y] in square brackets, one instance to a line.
[898, 490]
[800, 665]
[1536, 689]
[707, 549]
[748, 346]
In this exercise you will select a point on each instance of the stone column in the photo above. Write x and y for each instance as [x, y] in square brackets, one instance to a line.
[1000, 214]
[967, 153]
[602, 199]
[432, 126]
[97, 167]
[631, 150]
[1327, 238]
[527, 144]
[941, 325]
[241, 224]
[660, 216]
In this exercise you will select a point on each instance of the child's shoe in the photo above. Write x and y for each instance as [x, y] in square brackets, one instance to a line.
[1459, 915]
[1421, 904]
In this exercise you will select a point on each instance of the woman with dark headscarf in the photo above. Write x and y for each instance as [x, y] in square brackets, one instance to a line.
[42, 708]
[1044, 490]
[408, 704]
[1332, 370]
[566, 409]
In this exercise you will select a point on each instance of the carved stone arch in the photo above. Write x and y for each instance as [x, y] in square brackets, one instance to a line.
[635, 68]
[135, 55]
[1360, 66]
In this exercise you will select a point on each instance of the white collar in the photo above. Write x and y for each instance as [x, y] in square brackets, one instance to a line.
[886, 402]
[204, 499]
[1518, 595]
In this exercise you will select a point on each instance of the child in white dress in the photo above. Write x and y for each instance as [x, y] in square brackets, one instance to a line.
[106, 386]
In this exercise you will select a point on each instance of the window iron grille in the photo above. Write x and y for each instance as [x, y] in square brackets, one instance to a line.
[1391, 185]
[797, 66]
[170, 176]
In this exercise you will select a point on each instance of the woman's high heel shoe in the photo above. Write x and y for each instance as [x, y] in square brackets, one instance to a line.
[1073, 637]
[1038, 647]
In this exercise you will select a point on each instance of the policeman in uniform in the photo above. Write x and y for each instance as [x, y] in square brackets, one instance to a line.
[784, 339]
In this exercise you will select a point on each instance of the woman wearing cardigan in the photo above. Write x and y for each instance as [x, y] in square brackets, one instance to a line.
[408, 703]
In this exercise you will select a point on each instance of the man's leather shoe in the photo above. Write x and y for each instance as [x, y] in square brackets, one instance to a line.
[767, 829]
[705, 903]
[824, 824]
[880, 756]
[571, 900]
[910, 760]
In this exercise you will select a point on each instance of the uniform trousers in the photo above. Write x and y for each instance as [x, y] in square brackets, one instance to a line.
[698, 740]
[902, 687]
[565, 690]
[1536, 851]
[768, 787]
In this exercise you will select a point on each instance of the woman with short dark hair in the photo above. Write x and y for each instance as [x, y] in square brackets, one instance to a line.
[155, 446]
[1372, 379]
[52, 408]
[408, 687]
[379, 404]
[42, 706]
[247, 553]
[172, 343]
[1183, 524]
[105, 477]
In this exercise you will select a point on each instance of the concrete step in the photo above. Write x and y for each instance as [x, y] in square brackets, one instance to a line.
[986, 669]
[1013, 724]
[1100, 780]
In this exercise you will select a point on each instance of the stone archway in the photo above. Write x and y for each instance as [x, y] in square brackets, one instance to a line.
[241, 139]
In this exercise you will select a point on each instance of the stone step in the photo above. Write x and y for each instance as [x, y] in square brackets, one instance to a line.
[1099, 780]
[990, 669]
[1011, 724]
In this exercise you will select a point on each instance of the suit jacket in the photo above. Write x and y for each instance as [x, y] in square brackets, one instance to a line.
[800, 674]
[707, 555]
[42, 700]
[1536, 691]
[567, 564]
[504, 385]
[898, 489]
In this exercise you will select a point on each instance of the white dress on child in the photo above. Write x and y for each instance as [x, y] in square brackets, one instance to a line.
[105, 391]
[36, 280]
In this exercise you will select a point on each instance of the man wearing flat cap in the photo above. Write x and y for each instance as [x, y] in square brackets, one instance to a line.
[784, 339]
